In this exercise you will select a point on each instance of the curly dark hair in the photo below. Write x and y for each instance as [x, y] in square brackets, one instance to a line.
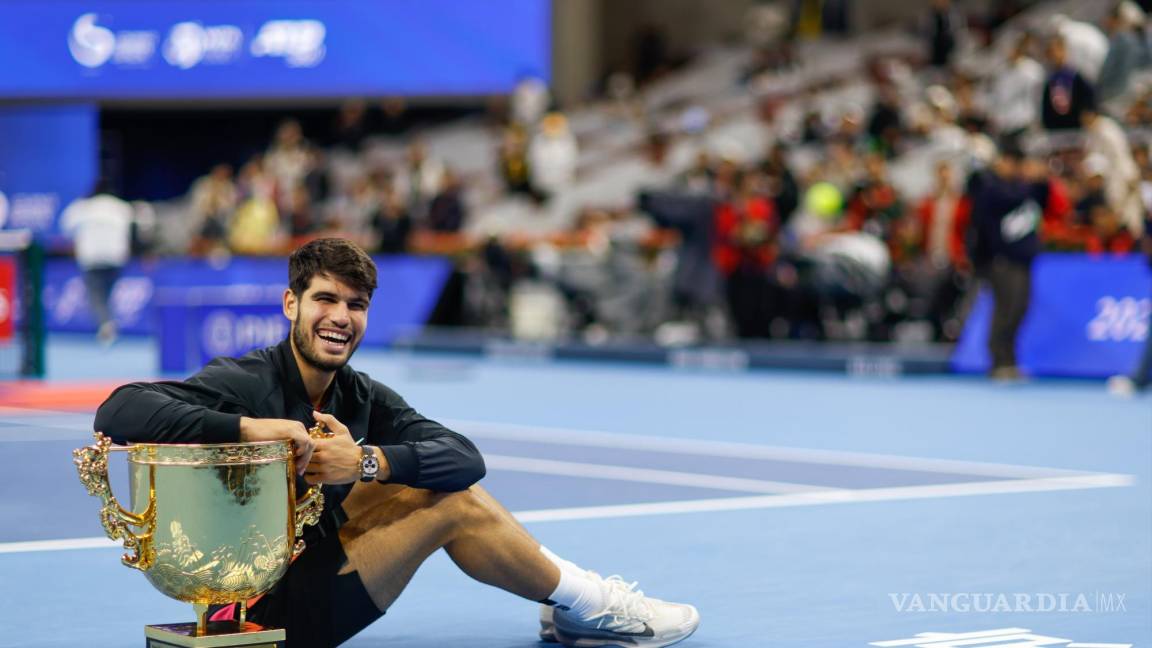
[338, 258]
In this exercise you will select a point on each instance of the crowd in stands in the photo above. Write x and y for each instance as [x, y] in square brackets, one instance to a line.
[794, 203]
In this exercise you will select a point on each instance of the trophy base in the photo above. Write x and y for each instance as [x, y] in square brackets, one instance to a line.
[221, 634]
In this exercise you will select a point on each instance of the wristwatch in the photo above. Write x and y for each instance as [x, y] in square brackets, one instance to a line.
[369, 464]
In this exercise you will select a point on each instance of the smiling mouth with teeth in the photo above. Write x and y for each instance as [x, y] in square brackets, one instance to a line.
[333, 337]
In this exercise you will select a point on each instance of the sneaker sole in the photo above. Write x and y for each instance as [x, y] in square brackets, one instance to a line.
[622, 642]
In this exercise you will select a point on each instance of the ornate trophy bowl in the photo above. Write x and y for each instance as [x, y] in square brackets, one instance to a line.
[208, 524]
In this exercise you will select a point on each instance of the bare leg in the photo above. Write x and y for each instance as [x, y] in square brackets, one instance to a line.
[391, 531]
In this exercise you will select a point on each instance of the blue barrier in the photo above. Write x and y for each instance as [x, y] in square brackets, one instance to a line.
[1088, 317]
[198, 310]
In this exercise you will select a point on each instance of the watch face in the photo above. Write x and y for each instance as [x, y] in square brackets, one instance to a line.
[369, 465]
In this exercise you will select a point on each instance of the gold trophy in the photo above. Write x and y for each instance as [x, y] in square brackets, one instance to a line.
[209, 524]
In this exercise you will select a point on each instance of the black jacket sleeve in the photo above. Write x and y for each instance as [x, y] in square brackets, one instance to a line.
[421, 453]
[204, 409]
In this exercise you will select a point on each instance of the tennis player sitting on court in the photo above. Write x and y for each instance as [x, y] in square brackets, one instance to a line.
[408, 490]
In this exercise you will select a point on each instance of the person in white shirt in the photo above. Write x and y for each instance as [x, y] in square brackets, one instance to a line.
[1087, 45]
[101, 227]
[552, 155]
[1016, 91]
[1104, 137]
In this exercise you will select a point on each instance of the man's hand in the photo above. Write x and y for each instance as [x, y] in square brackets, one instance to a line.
[337, 458]
[254, 429]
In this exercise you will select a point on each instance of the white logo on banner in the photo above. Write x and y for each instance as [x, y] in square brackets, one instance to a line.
[3, 209]
[227, 334]
[1125, 319]
[91, 45]
[1020, 638]
[299, 42]
[190, 43]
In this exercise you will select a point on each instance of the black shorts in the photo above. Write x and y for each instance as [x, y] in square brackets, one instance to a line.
[313, 602]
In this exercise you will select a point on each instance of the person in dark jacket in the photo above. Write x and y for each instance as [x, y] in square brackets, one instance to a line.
[1067, 94]
[1007, 210]
[417, 489]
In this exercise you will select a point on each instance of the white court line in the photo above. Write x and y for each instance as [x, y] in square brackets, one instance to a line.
[845, 496]
[645, 475]
[697, 447]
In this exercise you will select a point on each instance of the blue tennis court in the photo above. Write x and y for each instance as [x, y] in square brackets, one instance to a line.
[793, 509]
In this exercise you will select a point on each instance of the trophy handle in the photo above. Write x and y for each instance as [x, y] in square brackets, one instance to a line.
[308, 511]
[92, 464]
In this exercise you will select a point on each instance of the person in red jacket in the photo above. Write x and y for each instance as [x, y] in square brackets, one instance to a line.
[744, 250]
[942, 266]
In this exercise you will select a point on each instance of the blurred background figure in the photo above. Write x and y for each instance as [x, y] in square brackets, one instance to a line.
[101, 229]
[552, 155]
[212, 201]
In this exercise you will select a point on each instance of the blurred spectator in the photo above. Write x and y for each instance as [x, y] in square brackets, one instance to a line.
[393, 119]
[1066, 92]
[781, 183]
[1006, 215]
[447, 212]
[354, 214]
[101, 228]
[530, 100]
[351, 126]
[256, 224]
[1104, 137]
[391, 224]
[1016, 91]
[419, 179]
[287, 160]
[512, 160]
[943, 217]
[212, 200]
[1126, 50]
[300, 217]
[1087, 46]
[945, 26]
[885, 124]
[552, 155]
[1106, 232]
[744, 250]
[875, 204]
[1141, 375]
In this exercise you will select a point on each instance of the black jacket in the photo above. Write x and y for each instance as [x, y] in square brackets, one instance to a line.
[1006, 217]
[266, 383]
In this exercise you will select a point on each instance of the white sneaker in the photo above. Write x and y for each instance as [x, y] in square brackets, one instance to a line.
[630, 620]
[547, 625]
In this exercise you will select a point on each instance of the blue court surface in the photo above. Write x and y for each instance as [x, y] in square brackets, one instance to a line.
[793, 509]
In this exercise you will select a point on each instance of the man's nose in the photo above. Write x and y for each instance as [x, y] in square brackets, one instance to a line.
[339, 314]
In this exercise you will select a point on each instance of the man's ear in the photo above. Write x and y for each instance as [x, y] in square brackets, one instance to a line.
[291, 304]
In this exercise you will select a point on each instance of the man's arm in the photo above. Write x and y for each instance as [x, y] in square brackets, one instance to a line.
[168, 412]
[173, 412]
[420, 452]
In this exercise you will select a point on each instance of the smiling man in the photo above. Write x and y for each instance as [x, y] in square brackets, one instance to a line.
[397, 486]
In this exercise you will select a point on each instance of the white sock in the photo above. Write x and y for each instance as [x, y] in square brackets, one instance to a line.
[577, 590]
[564, 565]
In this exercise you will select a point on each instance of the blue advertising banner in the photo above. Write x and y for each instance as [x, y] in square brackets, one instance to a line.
[243, 49]
[1088, 317]
[198, 310]
[48, 158]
